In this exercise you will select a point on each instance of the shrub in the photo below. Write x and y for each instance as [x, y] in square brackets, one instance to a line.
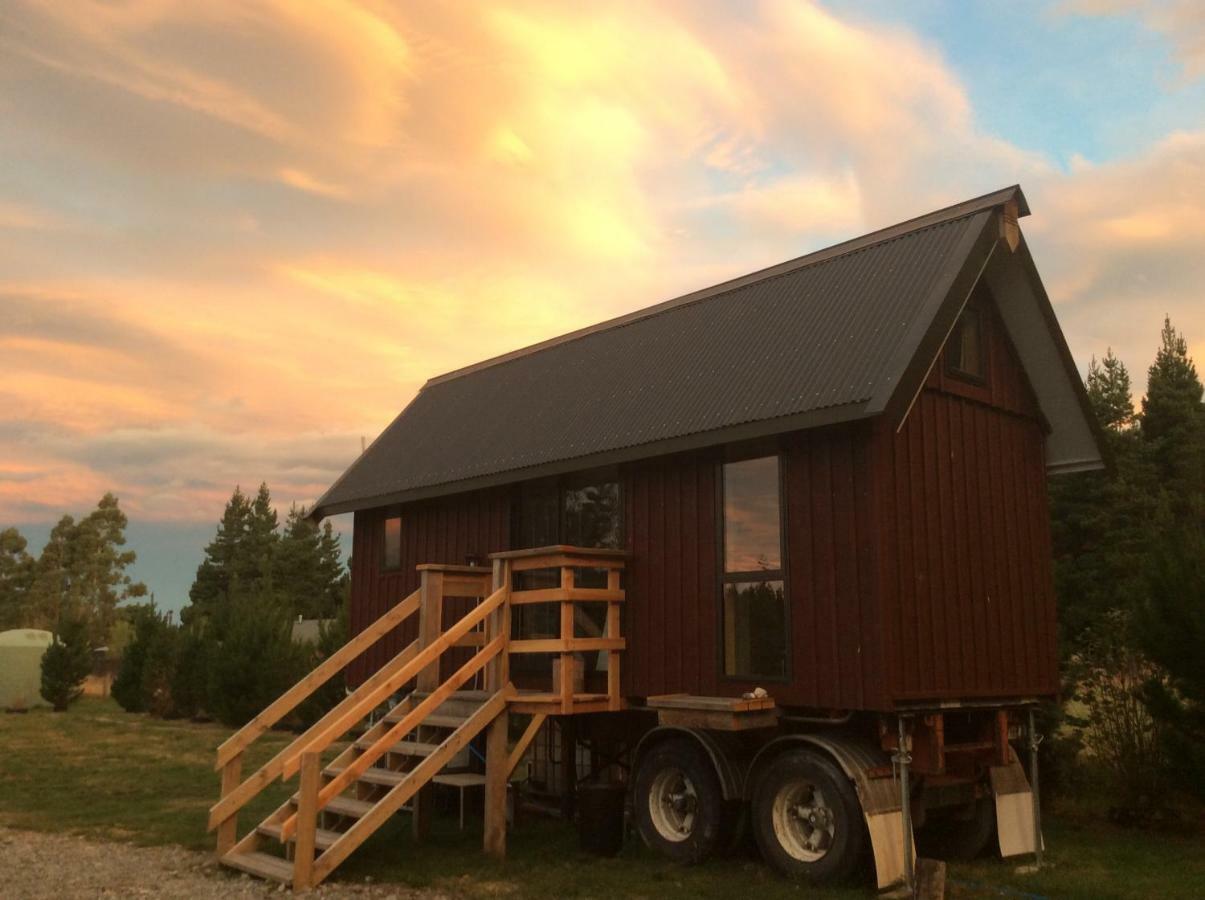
[1118, 729]
[130, 685]
[190, 674]
[65, 664]
[255, 662]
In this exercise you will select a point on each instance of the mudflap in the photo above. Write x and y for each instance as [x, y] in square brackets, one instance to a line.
[880, 798]
[881, 806]
[1014, 810]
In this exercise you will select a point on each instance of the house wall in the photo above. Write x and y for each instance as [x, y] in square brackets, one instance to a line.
[967, 582]
[673, 609]
[448, 530]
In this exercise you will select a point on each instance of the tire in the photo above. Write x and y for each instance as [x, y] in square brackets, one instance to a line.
[807, 819]
[960, 837]
[677, 802]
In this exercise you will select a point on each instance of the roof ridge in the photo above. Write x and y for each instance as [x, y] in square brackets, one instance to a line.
[848, 247]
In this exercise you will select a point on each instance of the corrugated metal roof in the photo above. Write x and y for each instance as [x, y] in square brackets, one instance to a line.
[820, 339]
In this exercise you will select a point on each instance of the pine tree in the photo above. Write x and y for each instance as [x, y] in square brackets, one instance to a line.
[255, 661]
[309, 571]
[1099, 519]
[1173, 426]
[66, 663]
[1172, 631]
[16, 575]
[237, 561]
[128, 685]
[211, 587]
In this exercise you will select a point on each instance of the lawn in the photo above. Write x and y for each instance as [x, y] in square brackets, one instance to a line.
[99, 771]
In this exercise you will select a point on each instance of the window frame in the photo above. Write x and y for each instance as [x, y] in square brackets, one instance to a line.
[725, 578]
[385, 567]
[955, 371]
[560, 484]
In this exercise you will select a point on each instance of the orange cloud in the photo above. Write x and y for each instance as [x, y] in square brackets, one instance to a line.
[242, 234]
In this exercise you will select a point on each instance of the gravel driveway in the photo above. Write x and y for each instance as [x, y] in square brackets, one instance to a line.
[37, 865]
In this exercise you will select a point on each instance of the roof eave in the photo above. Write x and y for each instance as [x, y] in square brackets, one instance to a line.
[833, 415]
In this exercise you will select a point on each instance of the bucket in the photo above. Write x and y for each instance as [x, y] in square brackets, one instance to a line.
[600, 818]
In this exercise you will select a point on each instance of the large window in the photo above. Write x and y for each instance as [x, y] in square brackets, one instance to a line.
[964, 349]
[579, 511]
[754, 600]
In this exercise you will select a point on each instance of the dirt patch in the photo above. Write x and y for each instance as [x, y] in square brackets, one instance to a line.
[38, 865]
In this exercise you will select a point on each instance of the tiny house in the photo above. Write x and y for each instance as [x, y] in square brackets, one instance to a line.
[782, 544]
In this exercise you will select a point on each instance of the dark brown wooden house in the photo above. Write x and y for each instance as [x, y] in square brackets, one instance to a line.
[826, 480]
[889, 407]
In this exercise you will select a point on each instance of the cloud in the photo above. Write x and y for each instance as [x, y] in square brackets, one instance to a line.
[1119, 245]
[1181, 22]
[240, 235]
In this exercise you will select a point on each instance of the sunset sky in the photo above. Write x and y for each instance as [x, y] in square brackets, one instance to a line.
[236, 237]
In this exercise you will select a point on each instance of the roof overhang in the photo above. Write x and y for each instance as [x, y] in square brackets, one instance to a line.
[999, 256]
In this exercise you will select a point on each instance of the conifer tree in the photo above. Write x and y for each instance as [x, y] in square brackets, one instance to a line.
[16, 575]
[66, 663]
[310, 575]
[1173, 426]
[1172, 632]
[1099, 518]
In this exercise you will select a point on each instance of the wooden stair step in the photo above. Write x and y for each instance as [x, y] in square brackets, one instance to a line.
[323, 837]
[373, 775]
[344, 806]
[403, 748]
[460, 779]
[435, 720]
[262, 865]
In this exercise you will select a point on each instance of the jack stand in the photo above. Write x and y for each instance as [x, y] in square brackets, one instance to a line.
[902, 758]
[1035, 740]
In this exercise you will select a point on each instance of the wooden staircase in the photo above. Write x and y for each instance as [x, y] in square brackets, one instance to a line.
[340, 803]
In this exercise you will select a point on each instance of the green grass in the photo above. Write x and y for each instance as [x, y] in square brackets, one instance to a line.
[101, 772]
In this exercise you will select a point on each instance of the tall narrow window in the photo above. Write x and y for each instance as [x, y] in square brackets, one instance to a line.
[392, 557]
[964, 349]
[754, 601]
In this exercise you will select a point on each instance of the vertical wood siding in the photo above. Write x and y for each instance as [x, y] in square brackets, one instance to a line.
[672, 609]
[967, 584]
[447, 530]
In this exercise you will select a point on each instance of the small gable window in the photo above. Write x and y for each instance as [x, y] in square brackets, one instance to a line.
[392, 558]
[965, 349]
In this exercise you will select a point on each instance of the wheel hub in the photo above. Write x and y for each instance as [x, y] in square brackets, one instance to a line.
[673, 802]
[803, 821]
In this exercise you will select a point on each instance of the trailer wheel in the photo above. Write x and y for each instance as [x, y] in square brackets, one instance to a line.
[807, 819]
[677, 801]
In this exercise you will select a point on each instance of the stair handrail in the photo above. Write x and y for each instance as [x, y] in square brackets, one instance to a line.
[235, 793]
[321, 674]
[414, 717]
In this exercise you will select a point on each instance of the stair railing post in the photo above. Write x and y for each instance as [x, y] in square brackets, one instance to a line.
[307, 820]
[567, 657]
[430, 627]
[232, 776]
[497, 774]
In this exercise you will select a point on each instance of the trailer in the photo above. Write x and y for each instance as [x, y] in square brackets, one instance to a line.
[776, 553]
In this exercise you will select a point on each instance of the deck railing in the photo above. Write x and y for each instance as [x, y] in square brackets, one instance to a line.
[568, 561]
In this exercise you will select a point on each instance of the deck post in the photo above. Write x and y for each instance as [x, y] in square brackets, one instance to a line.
[307, 820]
[496, 779]
[430, 626]
[232, 776]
